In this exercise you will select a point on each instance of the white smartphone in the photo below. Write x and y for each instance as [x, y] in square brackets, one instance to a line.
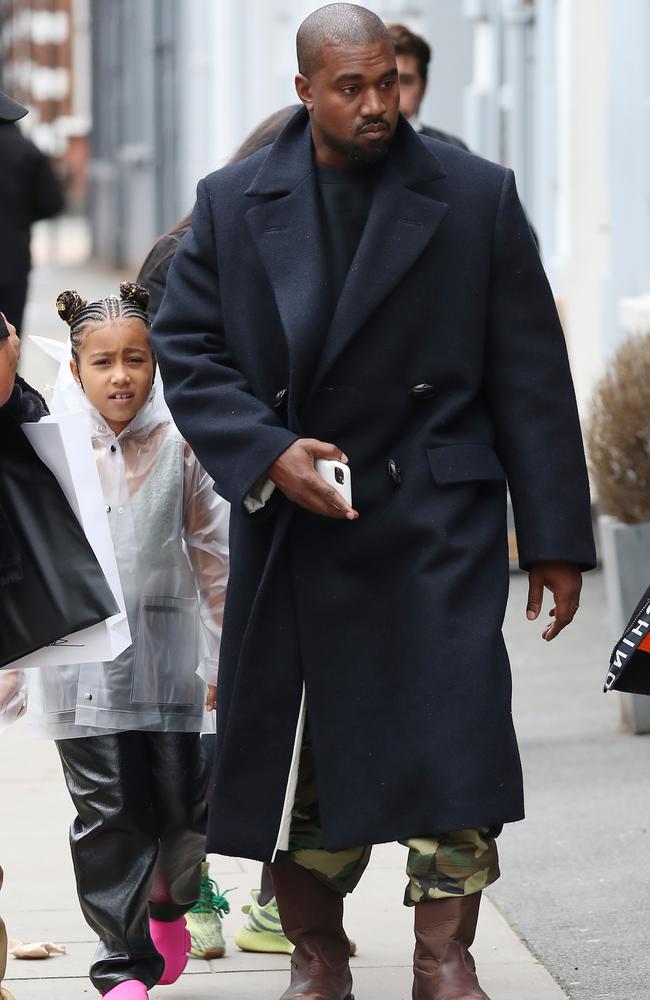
[337, 475]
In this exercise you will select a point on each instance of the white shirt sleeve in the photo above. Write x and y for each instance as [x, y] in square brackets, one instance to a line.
[260, 494]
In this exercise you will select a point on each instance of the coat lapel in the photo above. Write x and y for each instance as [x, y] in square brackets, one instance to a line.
[401, 223]
[286, 229]
[287, 233]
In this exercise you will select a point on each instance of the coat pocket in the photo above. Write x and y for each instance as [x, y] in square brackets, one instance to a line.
[465, 463]
[166, 651]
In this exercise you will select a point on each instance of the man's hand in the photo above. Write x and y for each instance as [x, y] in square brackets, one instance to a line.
[295, 475]
[9, 355]
[564, 580]
[211, 698]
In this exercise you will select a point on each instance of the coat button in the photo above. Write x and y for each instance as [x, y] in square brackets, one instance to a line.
[280, 398]
[394, 471]
[107, 509]
[113, 448]
[88, 696]
[421, 392]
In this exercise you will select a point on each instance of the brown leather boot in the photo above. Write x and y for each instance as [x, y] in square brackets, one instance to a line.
[312, 919]
[442, 965]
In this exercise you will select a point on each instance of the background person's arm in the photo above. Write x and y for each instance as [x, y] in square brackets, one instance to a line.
[9, 355]
[47, 194]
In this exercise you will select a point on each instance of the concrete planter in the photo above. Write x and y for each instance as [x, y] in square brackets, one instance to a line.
[625, 550]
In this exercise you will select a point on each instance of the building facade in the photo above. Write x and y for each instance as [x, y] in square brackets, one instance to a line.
[45, 59]
[177, 88]
[135, 143]
[561, 92]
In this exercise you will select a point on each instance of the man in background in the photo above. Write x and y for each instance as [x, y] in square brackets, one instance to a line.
[413, 56]
[29, 191]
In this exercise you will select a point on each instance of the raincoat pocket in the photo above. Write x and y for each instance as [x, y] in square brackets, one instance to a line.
[166, 651]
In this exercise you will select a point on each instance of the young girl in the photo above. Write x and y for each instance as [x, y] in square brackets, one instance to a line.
[128, 731]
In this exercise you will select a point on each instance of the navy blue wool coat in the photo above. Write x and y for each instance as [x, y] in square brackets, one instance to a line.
[442, 375]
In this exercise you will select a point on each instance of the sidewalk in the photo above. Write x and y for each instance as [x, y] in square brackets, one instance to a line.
[39, 902]
[576, 878]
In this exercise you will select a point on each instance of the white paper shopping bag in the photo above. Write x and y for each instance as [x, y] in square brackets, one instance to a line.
[62, 442]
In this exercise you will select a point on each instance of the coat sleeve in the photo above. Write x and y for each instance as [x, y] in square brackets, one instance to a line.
[532, 401]
[205, 533]
[235, 436]
[48, 198]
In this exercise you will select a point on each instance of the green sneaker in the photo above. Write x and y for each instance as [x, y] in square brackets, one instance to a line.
[263, 930]
[204, 921]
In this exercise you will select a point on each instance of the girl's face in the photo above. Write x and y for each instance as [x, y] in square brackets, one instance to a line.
[116, 369]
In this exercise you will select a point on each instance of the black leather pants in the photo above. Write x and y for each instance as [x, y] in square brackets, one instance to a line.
[137, 842]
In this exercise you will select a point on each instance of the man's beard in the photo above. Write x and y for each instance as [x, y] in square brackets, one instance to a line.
[361, 154]
[371, 153]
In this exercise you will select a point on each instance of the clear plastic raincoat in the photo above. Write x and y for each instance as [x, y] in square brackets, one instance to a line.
[170, 532]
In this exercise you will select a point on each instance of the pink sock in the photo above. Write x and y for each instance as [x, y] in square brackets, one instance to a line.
[172, 940]
[130, 989]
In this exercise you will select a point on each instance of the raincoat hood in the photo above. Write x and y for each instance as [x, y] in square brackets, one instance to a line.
[69, 397]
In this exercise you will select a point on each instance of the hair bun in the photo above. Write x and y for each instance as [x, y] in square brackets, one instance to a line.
[69, 304]
[130, 291]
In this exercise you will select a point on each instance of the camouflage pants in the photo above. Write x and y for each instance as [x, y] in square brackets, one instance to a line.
[448, 864]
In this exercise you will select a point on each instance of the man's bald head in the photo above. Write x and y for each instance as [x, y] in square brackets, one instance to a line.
[336, 24]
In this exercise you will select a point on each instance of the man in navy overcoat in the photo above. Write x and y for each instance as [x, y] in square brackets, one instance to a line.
[358, 292]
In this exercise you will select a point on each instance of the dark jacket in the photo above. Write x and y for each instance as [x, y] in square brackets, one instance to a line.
[436, 133]
[29, 191]
[443, 374]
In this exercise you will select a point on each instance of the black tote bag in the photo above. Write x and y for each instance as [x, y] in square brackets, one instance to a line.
[62, 588]
[629, 668]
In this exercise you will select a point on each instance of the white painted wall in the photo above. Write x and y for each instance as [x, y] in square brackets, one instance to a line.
[628, 158]
[538, 103]
[581, 251]
[238, 64]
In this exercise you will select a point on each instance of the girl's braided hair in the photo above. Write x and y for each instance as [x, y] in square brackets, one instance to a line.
[77, 313]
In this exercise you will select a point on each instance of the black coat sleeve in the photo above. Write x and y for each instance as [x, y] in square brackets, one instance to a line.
[47, 192]
[235, 436]
[532, 400]
[25, 405]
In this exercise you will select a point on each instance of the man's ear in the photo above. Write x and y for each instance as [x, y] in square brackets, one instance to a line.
[303, 90]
